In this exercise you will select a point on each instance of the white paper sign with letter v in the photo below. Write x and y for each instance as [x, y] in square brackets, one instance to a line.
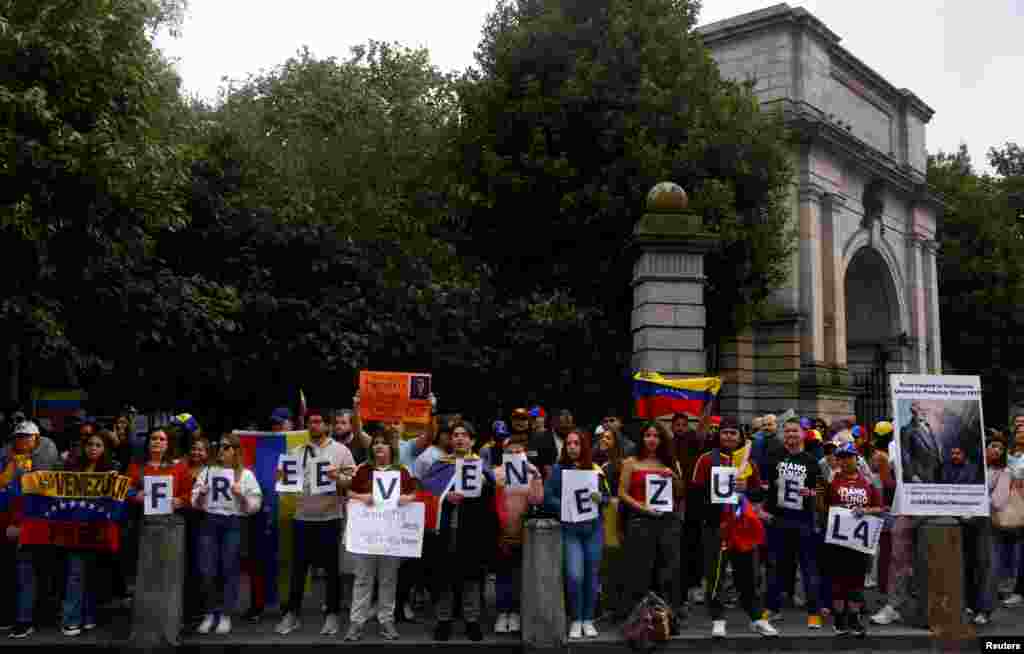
[578, 488]
[387, 486]
[658, 493]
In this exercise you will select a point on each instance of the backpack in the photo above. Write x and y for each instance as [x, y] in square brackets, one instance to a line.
[649, 623]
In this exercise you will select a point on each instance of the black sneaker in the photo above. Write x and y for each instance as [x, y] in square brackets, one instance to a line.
[443, 630]
[839, 624]
[857, 625]
[22, 631]
[473, 632]
[255, 614]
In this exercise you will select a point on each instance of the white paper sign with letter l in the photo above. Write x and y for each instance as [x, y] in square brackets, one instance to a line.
[219, 495]
[859, 534]
[789, 487]
[321, 484]
[578, 487]
[291, 471]
[517, 471]
[159, 493]
[385, 532]
[387, 486]
[723, 485]
[469, 477]
[658, 493]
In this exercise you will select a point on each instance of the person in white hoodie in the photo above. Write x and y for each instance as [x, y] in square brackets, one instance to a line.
[220, 534]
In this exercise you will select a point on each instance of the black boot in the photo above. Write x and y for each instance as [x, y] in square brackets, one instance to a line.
[443, 630]
[473, 632]
[856, 624]
[839, 623]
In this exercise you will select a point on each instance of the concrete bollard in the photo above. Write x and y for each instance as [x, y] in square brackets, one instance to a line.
[939, 553]
[160, 582]
[543, 598]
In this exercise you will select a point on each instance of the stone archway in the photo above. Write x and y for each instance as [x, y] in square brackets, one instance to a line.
[875, 338]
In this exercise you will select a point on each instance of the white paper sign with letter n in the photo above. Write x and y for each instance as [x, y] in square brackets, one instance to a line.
[321, 483]
[291, 471]
[517, 471]
[159, 493]
[469, 477]
[387, 486]
[578, 488]
[658, 493]
[723, 485]
[859, 534]
[219, 496]
[789, 487]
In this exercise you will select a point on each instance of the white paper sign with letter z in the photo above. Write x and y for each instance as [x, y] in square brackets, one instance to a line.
[658, 493]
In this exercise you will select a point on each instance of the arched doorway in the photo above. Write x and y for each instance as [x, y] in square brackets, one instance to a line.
[874, 333]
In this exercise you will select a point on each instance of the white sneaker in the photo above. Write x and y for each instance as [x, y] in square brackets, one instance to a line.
[589, 630]
[513, 623]
[718, 628]
[224, 626]
[206, 625]
[501, 624]
[887, 615]
[763, 627]
[1013, 600]
[576, 630]
[330, 627]
[288, 624]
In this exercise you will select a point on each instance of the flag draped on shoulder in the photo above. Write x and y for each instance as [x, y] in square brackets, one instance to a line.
[654, 395]
[76, 510]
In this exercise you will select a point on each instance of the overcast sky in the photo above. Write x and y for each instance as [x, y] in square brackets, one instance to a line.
[964, 58]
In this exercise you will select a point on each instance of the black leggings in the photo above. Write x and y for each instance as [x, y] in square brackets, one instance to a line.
[742, 575]
[652, 547]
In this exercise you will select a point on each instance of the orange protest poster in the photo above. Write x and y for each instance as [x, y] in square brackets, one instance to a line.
[394, 396]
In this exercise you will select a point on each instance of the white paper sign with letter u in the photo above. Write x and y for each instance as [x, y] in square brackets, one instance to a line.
[723, 485]
[658, 493]
[159, 493]
[469, 477]
[387, 486]
[578, 488]
[385, 532]
[859, 534]
[219, 494]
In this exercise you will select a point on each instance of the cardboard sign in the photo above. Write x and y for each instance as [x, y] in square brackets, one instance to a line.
[658, 493]
[469, 477]
[578, 487]
[723, 485]
[387, 486]
[859, 534]
[320, 483]
[789, 486]
[517, 471]
[394, 396]
[385, 532]
[291, 471]
[159, 495]
[219, 495]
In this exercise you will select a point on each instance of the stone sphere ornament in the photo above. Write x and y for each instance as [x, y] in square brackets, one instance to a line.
[667, 197]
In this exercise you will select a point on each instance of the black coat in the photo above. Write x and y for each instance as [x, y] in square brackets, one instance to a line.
[468, 552]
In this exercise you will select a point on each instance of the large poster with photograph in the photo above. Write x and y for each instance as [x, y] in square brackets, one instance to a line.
[940, 445]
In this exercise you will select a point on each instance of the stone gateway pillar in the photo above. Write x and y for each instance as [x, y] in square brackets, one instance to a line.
[668, 317]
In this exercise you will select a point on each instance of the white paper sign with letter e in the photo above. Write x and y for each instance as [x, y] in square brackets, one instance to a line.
[159, 495]
[789, 487]
[578, 488]
[291, 471]
[387, 486]
[469, 477]
[658, 493]
[321, 483]
[517, 471]
[723, 485]
[859, 534]
[219, 495]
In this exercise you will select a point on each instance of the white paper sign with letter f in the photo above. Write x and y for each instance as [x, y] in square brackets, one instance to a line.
[578, 489]
[658, 493]
[387, 486]
[469, 477]
[159, 493]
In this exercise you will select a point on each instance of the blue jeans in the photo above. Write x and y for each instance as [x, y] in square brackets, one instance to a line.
[508, 576]
[790, 541]
[581, 550]
[79, 593]
[26, 590]
[220, 544]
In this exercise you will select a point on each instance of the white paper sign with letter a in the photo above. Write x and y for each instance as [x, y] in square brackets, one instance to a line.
[859, 534]
[578, 488]
[387, 486]
[322, 484]
[723, 485]
[517, 471]
[291, 471]
[159, 493]
[219, 496]
[469, 477]
[658, 493]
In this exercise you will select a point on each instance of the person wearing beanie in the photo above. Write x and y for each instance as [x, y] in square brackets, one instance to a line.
[511, 505]
[791, 537]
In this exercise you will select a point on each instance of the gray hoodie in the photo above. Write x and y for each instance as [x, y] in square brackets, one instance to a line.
[44, 457]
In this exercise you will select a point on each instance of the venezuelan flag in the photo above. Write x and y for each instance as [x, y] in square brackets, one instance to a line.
[261, 451]
[654, 395]
[77, 510]
[57, 405]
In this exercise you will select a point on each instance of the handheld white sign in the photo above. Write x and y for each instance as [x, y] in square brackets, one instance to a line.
[159, 493]
[517, 471]
[291, 471]
[469, 477]
[387, 486]
[321, 484]
[385, 532]
[859, 534]
[723, 485]
[578, 487]
[219, 496]
[658, 493]
[788, 486]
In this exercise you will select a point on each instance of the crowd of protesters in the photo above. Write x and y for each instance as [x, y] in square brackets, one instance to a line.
[755, 553]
